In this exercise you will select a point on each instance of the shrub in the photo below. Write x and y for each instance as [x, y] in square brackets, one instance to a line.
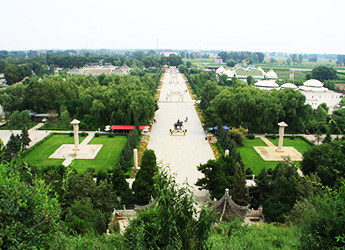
[110, 135]
[249, 171]
[96, 134]
[270, 171]
[292, 137]
[251, 136]
[71, 134]
[83, 134]
[274, 136]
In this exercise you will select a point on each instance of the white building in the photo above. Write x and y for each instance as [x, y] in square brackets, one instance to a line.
[266, 84]
[313, 90]
[317, 94]
[97, 70]
[243, 72]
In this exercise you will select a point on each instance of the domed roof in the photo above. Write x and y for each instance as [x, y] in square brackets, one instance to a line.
[289, 86]
[220, 70]
[266, 84]
[313, 83]
[229, 73]
[271, 74]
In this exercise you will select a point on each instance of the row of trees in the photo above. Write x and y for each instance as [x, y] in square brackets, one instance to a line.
[118, 100]
[237, 57]
[16, 68]
[259, 110]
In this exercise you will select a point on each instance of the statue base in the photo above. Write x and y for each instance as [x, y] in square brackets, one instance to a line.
[178, 132]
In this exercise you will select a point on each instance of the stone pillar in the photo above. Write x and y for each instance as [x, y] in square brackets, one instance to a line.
[135, 157]
[75, 124]
[227, 152]
[282, 126]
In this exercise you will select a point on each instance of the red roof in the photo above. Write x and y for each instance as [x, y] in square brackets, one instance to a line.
[125, 127]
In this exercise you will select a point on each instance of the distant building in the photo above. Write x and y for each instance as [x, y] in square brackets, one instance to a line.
[97, 70]
[243, 72]
[218, 60]
[313, 90]
[316, 94]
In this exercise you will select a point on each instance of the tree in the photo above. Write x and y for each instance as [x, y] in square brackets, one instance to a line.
[240, 193]
[231, 63]
[172, 222]
[238, 135]
[188, 64]
[24, 138]
[327, 160]
[19, 119]
[218, 176]
[13, 146]
[144, 180]
[322, 225]
[29, 214]
[300, 59]
[323, 73]
[208, 93]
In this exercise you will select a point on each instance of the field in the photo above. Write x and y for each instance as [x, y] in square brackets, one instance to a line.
[105, 159]
[297, 143]
[253, 160]
[265, 236]
[280, 67]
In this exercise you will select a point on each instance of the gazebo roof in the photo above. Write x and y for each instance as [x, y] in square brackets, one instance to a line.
[227, 204]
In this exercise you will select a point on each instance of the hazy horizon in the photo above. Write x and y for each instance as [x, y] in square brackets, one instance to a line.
[302, 27]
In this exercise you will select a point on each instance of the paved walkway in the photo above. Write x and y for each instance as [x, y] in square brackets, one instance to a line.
[268, 142]
[182, 153]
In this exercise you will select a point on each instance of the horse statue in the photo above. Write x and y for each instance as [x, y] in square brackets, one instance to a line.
[178, 125]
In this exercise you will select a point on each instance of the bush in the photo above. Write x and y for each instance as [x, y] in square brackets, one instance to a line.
[83, 134]
[96, 134]
[249, 171]
[274, 136]
[71, 134]
[270, 171]
[292, 137]
[110, 135]
[251, 136]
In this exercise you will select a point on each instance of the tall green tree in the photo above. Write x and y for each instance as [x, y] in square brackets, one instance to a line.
[172, 222]
[29, 214]
[24, 138]
[240, 193]
[323, 73]
[143, 186]
[327, 160]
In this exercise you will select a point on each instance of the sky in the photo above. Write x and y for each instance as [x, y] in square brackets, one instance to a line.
[294, 26]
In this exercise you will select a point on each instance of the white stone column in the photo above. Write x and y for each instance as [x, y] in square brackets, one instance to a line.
[135, 158]
[226, 152]
[282, 126]
[75, 124]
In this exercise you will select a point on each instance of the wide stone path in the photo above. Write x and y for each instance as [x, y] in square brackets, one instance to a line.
[182, 153]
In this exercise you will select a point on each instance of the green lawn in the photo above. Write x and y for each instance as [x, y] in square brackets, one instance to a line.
[297, 143]
[253, 160]
[106, 158]
[40, 156]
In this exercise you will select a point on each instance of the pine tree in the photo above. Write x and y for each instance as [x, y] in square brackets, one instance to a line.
[24, 138]
[143, 184]
[120, 184]
[13, 146]
[240, 193]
